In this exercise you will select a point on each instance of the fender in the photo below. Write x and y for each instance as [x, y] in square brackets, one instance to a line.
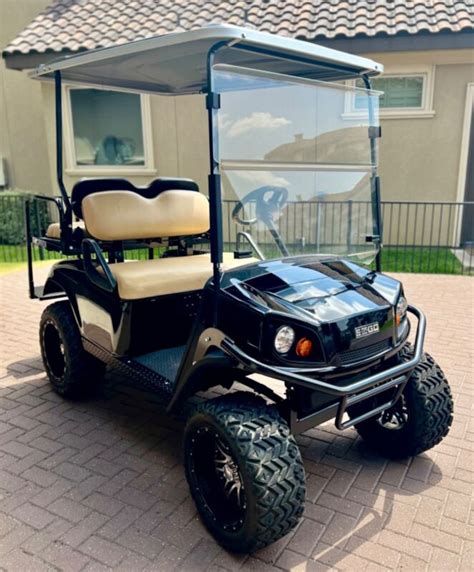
[215, 369]
[70, 278]
[63, 278]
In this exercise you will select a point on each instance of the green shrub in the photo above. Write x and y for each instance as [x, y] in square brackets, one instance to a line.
[12, 218]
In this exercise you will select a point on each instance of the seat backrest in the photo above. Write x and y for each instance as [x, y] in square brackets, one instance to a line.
[115, 209]
[86, 187]
[126, 215]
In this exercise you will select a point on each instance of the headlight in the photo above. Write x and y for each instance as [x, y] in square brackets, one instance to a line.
[284, 339]
[401, 310]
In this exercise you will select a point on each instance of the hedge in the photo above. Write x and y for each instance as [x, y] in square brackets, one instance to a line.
[12, 218]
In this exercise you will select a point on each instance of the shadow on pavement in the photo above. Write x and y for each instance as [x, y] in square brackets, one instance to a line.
[351, 491]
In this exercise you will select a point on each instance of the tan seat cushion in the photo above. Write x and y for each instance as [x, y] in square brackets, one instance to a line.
[147, 278]
[54, 230]
[124, 215]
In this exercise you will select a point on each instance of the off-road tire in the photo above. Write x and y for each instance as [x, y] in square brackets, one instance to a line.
[429, 405]
[80, 372]
[269, 462]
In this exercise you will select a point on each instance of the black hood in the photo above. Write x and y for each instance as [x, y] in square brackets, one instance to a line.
[331, 289]
[350, 306]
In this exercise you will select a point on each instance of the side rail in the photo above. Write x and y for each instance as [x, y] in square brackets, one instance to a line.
[40, 241]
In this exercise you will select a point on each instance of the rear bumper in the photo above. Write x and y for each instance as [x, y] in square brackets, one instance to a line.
[349, 394]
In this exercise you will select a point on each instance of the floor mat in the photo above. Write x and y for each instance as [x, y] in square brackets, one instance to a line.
[164, 362]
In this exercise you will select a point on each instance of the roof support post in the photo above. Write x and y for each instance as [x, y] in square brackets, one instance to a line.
[66, 220]
[59, 134]
[374, 179]
[215, 186]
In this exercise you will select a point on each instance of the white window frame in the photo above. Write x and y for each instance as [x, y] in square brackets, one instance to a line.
[426, 109]
[73, 169]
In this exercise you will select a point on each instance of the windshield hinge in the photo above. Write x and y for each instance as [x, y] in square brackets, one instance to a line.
[213, 100]
[373, 238]
[375, 131]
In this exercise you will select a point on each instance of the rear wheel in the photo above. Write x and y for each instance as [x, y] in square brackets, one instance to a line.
[419, 420]
[244, 470]
[72, 371]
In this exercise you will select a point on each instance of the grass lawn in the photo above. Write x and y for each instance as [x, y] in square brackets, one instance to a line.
[421, 260]
[394, 259]
[7, 267]
[14, 258]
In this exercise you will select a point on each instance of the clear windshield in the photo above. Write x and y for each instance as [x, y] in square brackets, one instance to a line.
[295, 164]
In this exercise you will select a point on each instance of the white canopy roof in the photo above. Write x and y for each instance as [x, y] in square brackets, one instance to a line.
[177, 63]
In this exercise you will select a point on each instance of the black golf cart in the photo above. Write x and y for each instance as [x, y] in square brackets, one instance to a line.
[274, 270]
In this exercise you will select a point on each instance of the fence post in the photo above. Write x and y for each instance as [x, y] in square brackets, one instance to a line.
[318, 228]
[349, 226]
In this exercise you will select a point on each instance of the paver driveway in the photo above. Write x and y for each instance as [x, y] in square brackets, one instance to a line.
[99, 485]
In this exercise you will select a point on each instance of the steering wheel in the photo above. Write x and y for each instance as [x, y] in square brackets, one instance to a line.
[268, 202]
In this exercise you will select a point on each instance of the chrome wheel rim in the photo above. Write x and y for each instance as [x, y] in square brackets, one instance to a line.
[229, 473]
[216, 479]
[395, 418]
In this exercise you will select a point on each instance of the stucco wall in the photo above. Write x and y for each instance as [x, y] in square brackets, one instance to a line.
[22, 132]
[419, 157]
[179, 140]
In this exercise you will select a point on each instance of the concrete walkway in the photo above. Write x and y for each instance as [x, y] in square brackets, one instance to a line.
[99, 485]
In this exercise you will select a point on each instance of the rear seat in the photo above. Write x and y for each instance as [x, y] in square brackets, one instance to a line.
[172, 212]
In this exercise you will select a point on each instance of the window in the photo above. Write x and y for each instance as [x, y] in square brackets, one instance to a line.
[404, 93]
[398, 92]
[108, 131]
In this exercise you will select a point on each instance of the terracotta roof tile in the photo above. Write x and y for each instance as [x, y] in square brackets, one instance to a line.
[73, 25]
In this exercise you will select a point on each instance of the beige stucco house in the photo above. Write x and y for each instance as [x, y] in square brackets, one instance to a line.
[23, 152]
[426, 48]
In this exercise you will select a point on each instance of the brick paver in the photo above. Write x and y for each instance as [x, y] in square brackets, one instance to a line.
[98, 485]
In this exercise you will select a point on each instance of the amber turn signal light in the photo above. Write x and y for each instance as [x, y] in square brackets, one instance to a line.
[304, 347]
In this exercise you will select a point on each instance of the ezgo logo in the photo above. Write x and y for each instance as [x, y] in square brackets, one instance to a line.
[364, 331]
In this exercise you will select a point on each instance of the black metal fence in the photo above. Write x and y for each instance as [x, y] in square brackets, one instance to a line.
[429, 236]
[425, 237]
[12, 227]
[432, 237]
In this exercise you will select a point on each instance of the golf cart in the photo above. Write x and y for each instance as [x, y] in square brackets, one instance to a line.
[269, 279]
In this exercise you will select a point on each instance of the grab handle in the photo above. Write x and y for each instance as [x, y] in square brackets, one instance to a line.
[105, 280]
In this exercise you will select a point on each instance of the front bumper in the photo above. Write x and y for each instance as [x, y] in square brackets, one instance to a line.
[349, 394]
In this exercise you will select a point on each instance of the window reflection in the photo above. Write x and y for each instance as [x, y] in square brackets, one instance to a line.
[107, 127]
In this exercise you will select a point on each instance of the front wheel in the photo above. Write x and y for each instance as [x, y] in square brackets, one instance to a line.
[244, 470]
[419, 420]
